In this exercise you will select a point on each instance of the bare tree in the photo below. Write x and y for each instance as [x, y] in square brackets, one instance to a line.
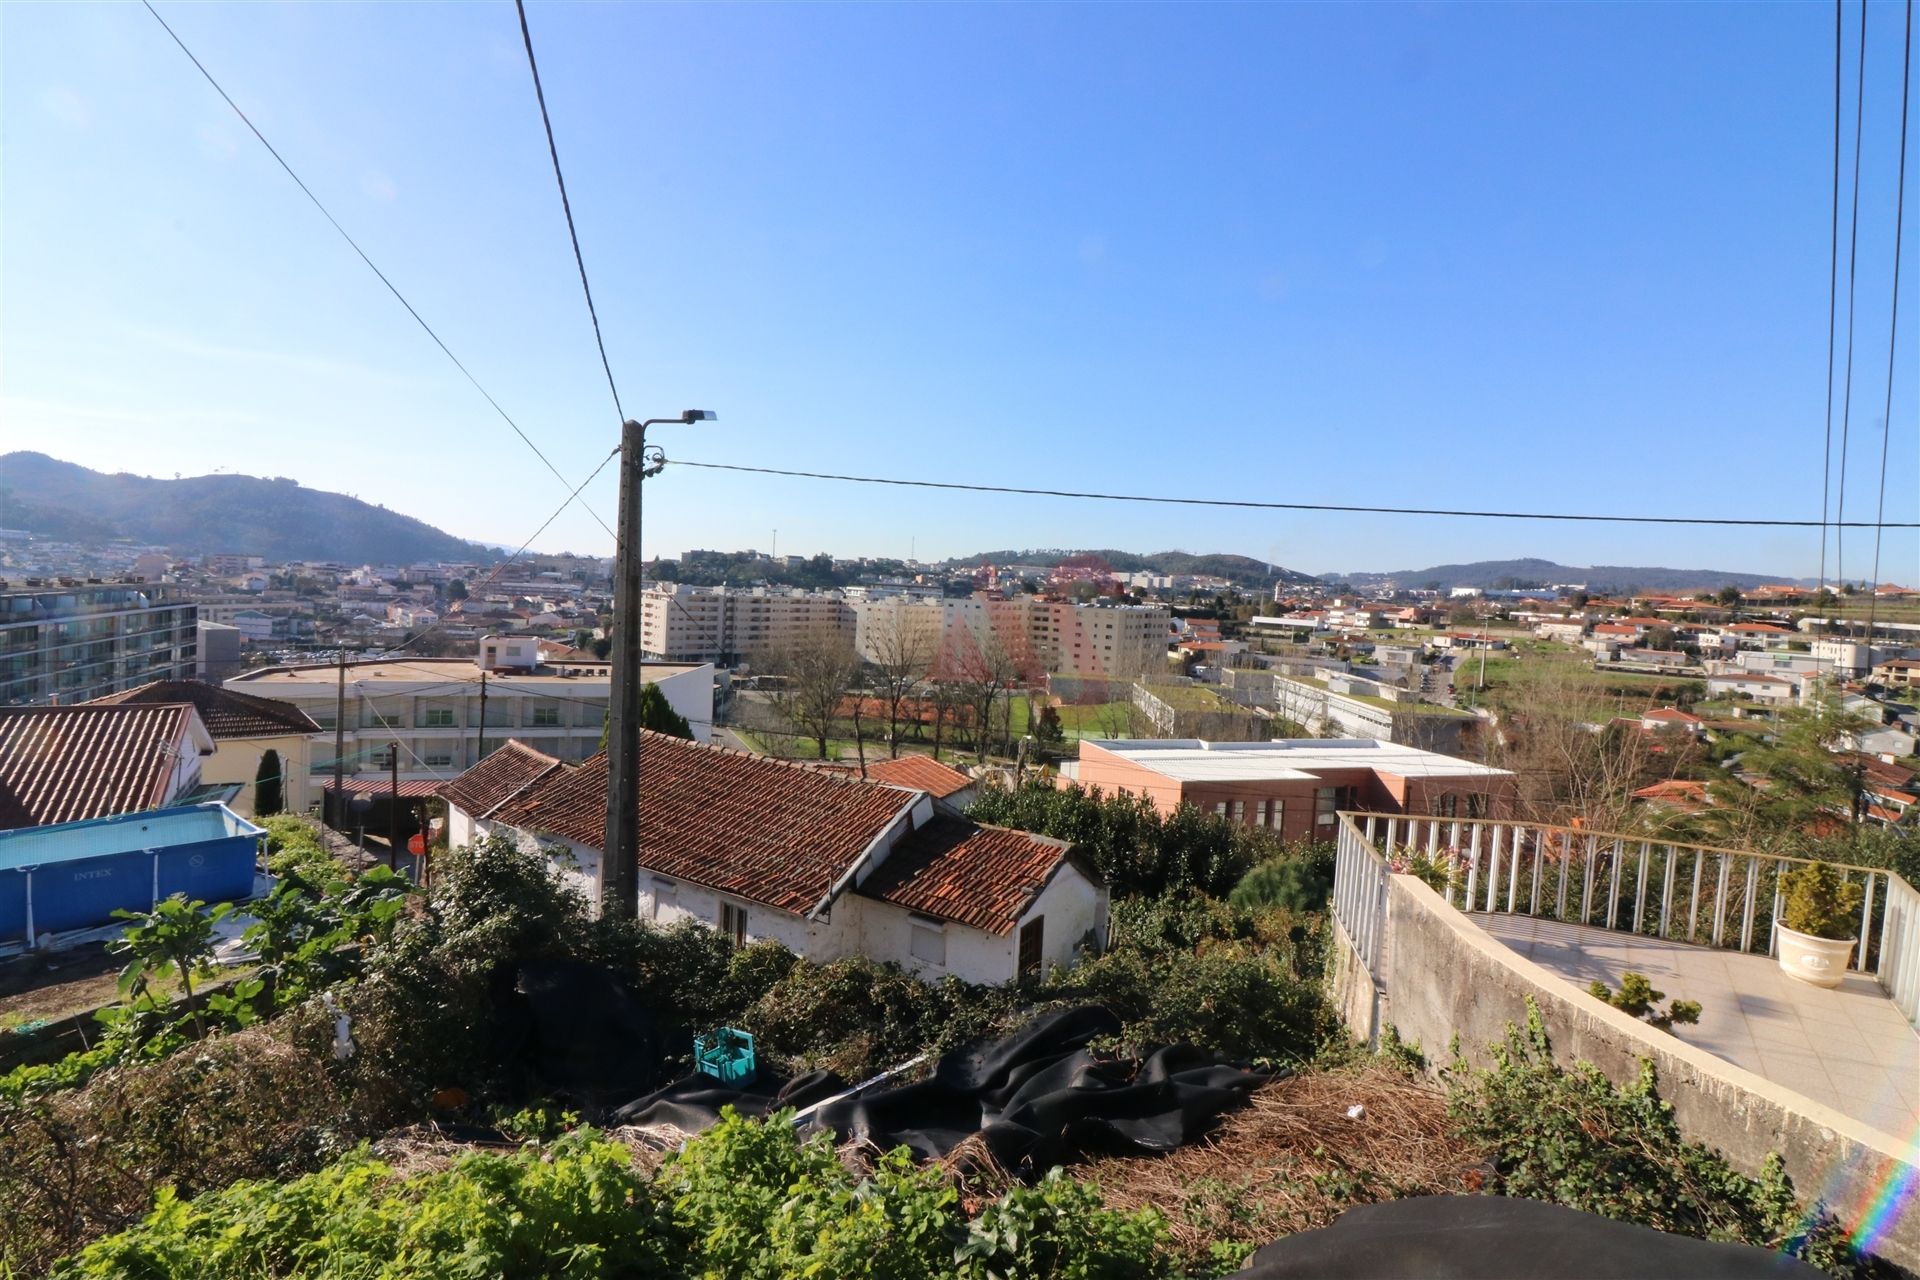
[901, 655]
[986, 674]
[945, 697]
[819, 673]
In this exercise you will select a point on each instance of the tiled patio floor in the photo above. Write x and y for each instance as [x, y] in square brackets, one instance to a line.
[1849, 1048]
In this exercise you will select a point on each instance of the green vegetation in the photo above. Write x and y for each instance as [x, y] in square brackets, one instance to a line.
[1818, 904]
[1637, 998]
[1569, 1135]
[294, 848]
[746, 1199]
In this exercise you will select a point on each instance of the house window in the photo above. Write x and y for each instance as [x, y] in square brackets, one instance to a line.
[1238, 812]
[546, 716]
[1220, 809]
[382, 758]
[928, 941]
[1032, 939]
[733, 923]
[666, 896]
[438, 759]
[1448, 806]
[437, 718]
[1476, 805]
[1329, 801]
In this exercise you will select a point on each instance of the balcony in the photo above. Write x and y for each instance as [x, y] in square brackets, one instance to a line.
[1449, 929]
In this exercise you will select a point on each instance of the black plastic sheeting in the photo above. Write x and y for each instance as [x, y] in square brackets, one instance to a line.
[1036, 1098]
[575, 1030]
[1495, 1238]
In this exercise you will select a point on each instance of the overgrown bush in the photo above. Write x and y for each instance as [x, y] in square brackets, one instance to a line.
[745, 1199]
[1299, 881]
[294, 848]
[1570, 1136]
[1135, 848]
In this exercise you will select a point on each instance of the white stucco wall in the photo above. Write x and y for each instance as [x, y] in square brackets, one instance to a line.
[820, 941]
[886, 933]
[1072, 906]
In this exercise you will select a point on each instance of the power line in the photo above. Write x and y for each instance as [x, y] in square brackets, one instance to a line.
[1294, 506]
[566, 207]
[1833, 293]
[1893, 327]
[502, 566]
[1853, 262]
[354, 245]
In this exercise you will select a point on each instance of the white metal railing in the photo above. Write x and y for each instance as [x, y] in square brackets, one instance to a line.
[1360, 876]
[1717, 897]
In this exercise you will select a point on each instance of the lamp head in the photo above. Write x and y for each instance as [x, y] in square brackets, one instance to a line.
[699, 415]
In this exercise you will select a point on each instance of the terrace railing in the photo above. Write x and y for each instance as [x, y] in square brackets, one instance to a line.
[1728, 898]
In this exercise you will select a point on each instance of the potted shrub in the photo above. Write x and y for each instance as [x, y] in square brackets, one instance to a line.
[1816, 925]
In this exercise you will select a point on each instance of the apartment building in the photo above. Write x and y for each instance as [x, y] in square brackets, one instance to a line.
[447, 714]
[681, 623]
[1042, 637]
[63, 640]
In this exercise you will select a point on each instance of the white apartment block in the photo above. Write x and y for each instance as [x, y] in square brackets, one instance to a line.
[432, 707]
[680, 623]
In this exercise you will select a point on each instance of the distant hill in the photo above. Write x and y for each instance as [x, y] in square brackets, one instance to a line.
[1539, 573]
[248, 515]
[1241, 570]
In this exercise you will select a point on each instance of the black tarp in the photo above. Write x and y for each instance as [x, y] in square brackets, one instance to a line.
[1036, 1098]
[577, 1032]
[1495, 1238]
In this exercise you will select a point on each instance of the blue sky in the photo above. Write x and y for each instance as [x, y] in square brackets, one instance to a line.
[1536, 257]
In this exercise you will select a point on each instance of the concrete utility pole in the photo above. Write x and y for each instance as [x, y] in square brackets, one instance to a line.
[339, 739]
[393, 808]
[620, 866]
[482, 754]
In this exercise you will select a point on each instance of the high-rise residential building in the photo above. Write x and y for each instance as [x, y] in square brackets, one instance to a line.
[66, 641]
[681, 623]
[1039, 637]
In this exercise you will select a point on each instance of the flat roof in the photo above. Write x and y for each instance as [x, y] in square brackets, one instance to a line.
[430, 671]
[1286, 759]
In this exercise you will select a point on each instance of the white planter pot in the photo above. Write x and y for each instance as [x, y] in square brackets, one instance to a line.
[1819, 961]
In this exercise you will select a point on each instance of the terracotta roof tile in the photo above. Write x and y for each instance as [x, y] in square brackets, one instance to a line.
[764, 830]
[504, 774]
[66, 764]
[922, 773]
[226, 712]
[985, 877]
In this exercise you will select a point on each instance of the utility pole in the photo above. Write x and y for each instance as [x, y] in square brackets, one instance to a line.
[339, 739]
[620, 860]
[483, 719]
[393, 809]
[620, 866]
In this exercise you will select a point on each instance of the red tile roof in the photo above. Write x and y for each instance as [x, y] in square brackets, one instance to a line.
[227, 713]
[410, 789]
[1673, 715]
[764, 830]
[985, 877]
[504, 774]
[922, 773]
[66, 764]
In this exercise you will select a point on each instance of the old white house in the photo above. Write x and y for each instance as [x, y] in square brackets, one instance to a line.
[830, 866]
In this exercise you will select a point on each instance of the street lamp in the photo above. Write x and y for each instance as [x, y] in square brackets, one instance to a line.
[652, 458]
[620, 866]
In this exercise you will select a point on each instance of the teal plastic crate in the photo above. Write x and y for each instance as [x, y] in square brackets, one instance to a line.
[726, 1055]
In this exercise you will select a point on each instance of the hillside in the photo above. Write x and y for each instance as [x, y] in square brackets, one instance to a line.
[1241, 570]
[1536, 573]
[276, 518]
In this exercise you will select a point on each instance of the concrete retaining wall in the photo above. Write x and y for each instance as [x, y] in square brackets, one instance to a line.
[1446, 977]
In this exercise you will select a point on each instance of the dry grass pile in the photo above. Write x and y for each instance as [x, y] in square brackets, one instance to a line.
[1292, 1159]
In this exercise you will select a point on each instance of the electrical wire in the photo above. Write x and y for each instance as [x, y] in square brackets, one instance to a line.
[354, 245]
[1893, 326]
[1833, 293]
[1248, 504]
[1853, 261]
[566, 206]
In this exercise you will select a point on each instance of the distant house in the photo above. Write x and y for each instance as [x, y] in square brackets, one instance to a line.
[1747, 684]
[474, 796]
[244, 728]
[1672, 720]
[923, 773]
[830, 866]
[68, 764]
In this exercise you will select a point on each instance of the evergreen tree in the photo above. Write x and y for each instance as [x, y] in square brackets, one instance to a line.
[267, 786]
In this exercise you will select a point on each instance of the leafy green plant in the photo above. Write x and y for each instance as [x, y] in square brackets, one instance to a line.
[173, 939]
[1567, 1134]
[1819, 904]
[1637, 998]
[1299, 881]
